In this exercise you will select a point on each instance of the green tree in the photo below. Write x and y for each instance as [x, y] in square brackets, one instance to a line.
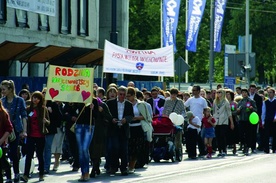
[145, 34]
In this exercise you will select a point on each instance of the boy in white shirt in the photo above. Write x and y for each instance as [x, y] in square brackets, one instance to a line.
[193, 134]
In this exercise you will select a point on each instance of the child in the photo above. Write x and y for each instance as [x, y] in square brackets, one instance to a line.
[194, 124]
[209, 124]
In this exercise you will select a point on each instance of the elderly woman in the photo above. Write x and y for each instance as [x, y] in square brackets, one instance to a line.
[136, 140]
[222, 114]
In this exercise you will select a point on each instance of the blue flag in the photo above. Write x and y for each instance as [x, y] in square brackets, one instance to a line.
[170, 21]
[219, 15]
[195, 13]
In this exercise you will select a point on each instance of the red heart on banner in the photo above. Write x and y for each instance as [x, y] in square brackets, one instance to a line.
[85, 95]
[53, 92]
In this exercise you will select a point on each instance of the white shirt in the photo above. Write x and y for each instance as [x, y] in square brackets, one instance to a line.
[196, 121]
[121, 108]
[197, 105]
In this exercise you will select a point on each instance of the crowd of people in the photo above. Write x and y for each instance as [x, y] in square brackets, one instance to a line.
[117, 125]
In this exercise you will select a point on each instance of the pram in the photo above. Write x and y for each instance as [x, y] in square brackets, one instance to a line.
[165, 137]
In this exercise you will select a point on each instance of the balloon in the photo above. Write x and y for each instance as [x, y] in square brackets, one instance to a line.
[254, 118]
[173, 117]
[180, 120]
[22, 165]
[1, 152]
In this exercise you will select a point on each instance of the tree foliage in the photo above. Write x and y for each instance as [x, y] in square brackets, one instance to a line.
[144, 33]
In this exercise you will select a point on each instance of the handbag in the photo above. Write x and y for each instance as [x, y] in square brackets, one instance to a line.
[72, 129]
[12, 135]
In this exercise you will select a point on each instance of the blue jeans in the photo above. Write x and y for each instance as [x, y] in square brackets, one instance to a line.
[47, 151]
[84, 137]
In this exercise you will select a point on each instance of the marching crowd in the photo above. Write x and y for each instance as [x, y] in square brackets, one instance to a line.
[117, 125]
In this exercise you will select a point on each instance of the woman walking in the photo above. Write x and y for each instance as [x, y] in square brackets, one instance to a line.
[222, 114]
[16, 109]
[84, 130]
[38, 117]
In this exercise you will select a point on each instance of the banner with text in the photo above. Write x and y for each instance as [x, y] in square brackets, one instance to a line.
[70, 84]
[170, 21]
[195, 13]
[157, 62]
[42, 7]
[220, 6]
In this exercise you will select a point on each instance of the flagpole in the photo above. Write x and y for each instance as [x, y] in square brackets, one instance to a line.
[211, 54]
[186, 51]
[161, 78]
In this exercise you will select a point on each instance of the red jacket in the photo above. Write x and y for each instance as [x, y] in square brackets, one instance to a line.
[5, 123]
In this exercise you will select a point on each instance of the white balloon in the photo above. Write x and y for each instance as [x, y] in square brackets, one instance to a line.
[22, 165]
[173, 117]
[180, 120]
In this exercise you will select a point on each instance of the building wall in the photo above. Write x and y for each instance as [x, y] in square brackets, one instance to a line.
[82, 23]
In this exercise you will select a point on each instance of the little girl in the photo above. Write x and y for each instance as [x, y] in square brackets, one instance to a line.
[209, 124]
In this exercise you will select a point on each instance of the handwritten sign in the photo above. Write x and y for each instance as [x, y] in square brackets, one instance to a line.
[70, 84]
[156, 62]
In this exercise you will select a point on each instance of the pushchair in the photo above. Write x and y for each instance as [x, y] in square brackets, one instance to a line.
[165, 137]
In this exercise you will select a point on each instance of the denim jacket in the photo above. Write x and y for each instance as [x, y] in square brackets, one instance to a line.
[20, 112]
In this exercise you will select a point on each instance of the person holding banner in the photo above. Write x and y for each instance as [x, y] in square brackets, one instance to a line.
[84, 130]
[38, 117]
[118, 131]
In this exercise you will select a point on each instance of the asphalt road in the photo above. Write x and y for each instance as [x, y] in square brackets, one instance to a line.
[256, 168]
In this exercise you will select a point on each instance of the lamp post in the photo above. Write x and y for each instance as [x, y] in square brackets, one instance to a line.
[113, 35]
[247, 65]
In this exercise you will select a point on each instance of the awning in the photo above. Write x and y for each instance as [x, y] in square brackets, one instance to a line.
[10, 50]
[56, 55]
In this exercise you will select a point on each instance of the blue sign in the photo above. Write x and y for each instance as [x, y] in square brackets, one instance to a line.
[229, 82]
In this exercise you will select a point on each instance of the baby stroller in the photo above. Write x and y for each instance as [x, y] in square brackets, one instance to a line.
[164, 134]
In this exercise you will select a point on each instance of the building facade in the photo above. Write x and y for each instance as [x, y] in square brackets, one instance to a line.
[61, 23]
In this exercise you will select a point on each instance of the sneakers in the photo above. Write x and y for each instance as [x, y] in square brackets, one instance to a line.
[131, 171]
[24, 178]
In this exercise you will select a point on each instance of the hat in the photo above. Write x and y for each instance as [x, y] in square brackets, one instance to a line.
[189, 114]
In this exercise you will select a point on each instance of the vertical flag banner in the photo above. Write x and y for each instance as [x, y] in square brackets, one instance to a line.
[170, 21]
[220, 6]
[195, 13]
[70, 84]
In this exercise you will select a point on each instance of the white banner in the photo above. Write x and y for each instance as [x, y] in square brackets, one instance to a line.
[45, 7]
[157, 62]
